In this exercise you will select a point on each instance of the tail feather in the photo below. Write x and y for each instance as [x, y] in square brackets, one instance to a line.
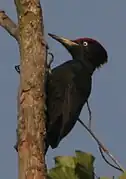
[46, 147]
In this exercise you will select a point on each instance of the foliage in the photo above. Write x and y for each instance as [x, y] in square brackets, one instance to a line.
[80, 166]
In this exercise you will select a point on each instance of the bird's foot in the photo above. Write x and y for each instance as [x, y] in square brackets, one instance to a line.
[17, 68]
[49, 62]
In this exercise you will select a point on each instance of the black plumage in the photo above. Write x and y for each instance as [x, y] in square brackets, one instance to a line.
[66, 95]
[69, 86]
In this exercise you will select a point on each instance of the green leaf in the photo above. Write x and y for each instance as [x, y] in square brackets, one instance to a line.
[62, 173]
[76, 167]
[67, 161]
[85, 159]
[84, 167]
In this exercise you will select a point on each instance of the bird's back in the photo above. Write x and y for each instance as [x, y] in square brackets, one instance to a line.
[68, 89]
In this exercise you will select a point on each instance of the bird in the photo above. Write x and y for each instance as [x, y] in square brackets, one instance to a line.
[69, 86]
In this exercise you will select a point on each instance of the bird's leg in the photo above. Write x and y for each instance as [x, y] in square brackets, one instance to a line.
[17, 68]
[48, 61]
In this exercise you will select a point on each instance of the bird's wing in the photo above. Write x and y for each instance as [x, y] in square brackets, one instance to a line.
[66, 98]
[76, 94]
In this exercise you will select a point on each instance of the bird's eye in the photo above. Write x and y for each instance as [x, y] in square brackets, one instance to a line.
[85, 44]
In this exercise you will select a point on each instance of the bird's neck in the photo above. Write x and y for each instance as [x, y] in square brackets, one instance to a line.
[87, 65]
[85, 60]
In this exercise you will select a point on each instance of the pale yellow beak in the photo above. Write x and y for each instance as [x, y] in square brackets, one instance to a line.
[66, 42]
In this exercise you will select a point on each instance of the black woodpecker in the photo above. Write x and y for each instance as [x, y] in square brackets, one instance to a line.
[69, 86]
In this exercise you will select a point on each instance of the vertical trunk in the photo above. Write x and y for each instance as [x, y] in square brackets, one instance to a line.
[31, 100]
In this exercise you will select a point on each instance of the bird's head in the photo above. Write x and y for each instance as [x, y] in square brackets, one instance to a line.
[84, 49]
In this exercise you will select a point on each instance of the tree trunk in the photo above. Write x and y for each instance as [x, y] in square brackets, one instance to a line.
[31, 99]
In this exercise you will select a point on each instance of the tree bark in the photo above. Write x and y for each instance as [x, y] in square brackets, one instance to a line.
[31, 99]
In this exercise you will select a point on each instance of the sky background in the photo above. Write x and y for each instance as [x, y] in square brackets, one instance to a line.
[102, 20]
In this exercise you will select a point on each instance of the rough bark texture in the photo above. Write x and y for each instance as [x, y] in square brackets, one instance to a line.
[31, 126]
[31, 99]
[8, 25]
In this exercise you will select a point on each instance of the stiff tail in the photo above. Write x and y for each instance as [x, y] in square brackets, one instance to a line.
[46, 147]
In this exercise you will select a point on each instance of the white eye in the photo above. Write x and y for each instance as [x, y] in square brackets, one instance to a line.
[85, 44]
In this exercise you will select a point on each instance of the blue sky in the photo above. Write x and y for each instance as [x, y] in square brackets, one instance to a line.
[102, 20]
